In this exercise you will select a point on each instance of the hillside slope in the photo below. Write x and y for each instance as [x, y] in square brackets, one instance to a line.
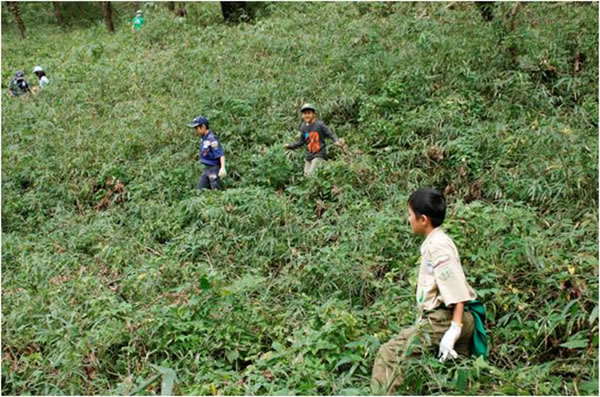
[277, 284]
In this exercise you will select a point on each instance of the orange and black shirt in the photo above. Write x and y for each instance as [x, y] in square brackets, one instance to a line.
[313, 136]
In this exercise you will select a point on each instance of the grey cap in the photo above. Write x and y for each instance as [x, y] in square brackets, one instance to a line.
[308, 106]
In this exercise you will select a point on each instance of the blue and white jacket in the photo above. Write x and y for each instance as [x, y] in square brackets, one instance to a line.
[210, 149]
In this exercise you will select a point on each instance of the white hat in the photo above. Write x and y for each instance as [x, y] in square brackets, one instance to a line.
[37, 69]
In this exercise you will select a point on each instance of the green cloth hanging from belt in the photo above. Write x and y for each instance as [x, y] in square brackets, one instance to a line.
[480, 340]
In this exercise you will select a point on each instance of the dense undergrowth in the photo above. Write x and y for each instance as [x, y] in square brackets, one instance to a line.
[114, 266]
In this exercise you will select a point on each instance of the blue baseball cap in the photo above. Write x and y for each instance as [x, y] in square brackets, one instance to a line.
[200, 120]
[20, 74]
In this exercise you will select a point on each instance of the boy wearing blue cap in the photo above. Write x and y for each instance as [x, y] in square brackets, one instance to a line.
[18, 85]
[211, 155]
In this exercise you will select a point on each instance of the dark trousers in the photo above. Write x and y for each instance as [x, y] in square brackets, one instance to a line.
[210, 178]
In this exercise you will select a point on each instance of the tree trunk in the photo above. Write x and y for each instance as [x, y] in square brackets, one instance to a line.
[107, 12]
[58, 14]
[171, 6]
[16, 13]
[233, 10]
[512, 17]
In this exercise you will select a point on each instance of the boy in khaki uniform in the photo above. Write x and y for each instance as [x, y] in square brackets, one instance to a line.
[442, 291]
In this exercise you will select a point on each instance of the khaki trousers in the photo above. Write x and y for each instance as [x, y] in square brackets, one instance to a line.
[311, 165]
[386, 375]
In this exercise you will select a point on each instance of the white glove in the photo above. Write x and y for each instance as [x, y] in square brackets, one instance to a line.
[448, 341]
[222, 172]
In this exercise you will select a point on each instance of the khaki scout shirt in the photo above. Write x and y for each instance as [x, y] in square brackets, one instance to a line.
[441, 277]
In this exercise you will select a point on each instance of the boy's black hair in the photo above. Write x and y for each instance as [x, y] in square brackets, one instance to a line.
[430, 202]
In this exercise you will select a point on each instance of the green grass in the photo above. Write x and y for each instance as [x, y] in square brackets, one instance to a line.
[279, 285]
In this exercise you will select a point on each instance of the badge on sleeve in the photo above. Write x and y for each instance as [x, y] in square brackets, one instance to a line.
[214, 144]
[445, 274]
[442, 272]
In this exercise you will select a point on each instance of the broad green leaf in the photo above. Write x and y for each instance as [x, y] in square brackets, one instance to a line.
[575, 344]
[351, 392]
[594, 315]
[461, 380]
[350, 358]
[569, 305]
[168, 381]
[277, 346]
[589, 387]
[232, 355]
[204, 283]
